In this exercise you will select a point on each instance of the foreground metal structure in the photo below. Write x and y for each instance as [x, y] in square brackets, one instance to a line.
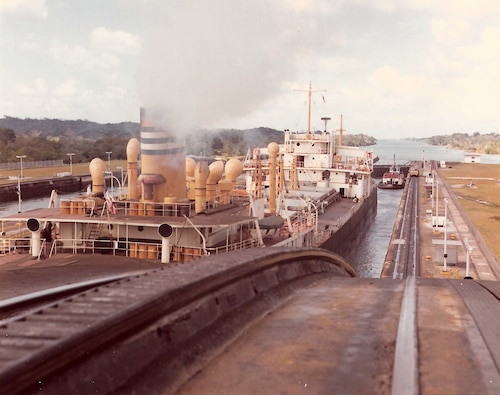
[100, 339]
[263, 321]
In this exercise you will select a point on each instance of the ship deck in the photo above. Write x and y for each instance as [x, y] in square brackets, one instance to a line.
[225, 217]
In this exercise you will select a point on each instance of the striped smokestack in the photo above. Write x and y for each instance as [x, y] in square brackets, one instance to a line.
[163, 158]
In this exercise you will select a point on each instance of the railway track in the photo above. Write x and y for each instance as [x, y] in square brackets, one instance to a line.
[149, 314]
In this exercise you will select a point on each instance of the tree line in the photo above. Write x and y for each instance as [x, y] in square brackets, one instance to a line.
[37, 147]
[52, 139]
[488, 143]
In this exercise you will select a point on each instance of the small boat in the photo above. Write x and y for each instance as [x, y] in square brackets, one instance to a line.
[392, 179]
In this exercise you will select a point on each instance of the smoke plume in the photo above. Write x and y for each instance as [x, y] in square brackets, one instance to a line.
[207, 62]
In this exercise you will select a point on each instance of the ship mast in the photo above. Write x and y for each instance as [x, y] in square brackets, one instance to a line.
[340, 132]
[310, 92]
[309, 113]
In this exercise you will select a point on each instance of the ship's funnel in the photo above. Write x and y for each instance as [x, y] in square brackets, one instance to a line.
[133, 150]
[273, 149]
[97, 168]
[163, 158]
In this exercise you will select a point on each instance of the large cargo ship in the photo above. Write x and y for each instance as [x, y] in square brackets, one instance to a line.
[309, 191]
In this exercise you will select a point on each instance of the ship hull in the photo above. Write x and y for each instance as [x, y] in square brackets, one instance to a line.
[391, 186]
[350, 235]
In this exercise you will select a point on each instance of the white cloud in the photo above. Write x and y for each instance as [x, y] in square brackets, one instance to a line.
[66, 89]
[34, 7]
[38, 88]
[116, 41]
[310, 6]
[393, 82]
[338, 64]
[75, 55]
[447, 31]
[486, 49]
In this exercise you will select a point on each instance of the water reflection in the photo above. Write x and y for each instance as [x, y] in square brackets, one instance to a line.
[369, 258]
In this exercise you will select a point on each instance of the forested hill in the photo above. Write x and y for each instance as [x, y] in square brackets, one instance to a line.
[46, 139]
[58, 127]
[481, 143]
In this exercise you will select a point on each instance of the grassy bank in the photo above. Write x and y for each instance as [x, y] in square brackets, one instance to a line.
[44, 172]
[477, 187]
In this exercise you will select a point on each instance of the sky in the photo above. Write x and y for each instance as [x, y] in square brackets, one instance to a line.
[392, 68]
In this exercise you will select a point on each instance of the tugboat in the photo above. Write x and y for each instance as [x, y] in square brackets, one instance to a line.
[393, 179]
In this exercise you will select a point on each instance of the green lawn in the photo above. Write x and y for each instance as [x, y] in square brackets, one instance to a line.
[477, 187]
[43, 172]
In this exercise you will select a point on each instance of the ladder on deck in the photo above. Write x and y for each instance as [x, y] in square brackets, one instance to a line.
[95, 232]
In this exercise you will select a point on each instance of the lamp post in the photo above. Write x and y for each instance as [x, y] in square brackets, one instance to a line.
[445, 251]
[19, 200]
[109, 159]
[70, 154]
[21, 157]
[121, 180]
[468, 250]
[436, 189]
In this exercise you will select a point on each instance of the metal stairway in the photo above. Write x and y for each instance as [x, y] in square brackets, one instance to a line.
[95, 232]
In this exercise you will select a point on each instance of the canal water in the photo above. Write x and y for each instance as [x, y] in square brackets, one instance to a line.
[369, 257]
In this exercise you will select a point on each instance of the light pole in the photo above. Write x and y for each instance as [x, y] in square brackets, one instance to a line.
[468, 249]
[19, 200]
[437, 203]
[121, 180]
[445, 251]
[70, 154]
[109, 159]
[21, 157]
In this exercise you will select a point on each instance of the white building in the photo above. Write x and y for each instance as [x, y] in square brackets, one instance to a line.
[472, 157]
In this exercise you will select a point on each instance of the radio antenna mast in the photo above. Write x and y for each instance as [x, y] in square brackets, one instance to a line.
[310, 92]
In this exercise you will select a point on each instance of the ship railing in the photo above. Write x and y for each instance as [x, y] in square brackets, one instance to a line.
[240, 245]
[22, 245]
[301, 136]
[351, 166]
[15, 245]
[178, 209]
[132, 249]
[155, 209]
[303, 222]
[142, 249]
[290, 149]
[252, 164]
